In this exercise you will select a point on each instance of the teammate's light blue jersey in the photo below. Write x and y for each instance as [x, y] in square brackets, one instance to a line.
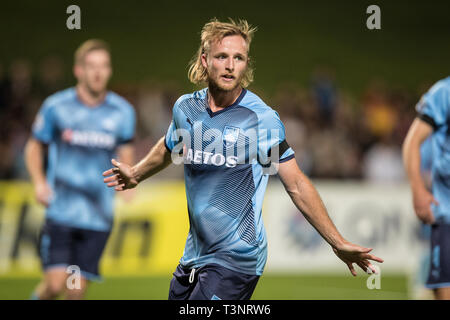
[82, 140]
[225, 157]
[434, 108]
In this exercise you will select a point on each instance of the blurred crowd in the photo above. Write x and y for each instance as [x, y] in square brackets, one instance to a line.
[338, 135]
[335, 134]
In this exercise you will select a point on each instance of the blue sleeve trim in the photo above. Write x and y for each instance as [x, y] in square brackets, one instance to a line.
[167, 147]
[426, 118]
[40, 139]
[287, 158]
[126, 141]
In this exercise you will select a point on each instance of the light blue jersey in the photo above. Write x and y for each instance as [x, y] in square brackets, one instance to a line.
[434, 108]
[225, 157]
[82, 140]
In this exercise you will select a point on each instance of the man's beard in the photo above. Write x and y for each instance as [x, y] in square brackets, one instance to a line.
[214, 85]
[95, 92]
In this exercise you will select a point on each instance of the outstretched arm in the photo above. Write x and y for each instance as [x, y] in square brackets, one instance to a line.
[422, 198]
[307, 200]
[123, 176]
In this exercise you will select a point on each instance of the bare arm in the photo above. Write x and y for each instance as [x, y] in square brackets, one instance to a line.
[422, 199]
[126, 177]
[307, 200]
[156, 160]
[125, 154]
[34, 153]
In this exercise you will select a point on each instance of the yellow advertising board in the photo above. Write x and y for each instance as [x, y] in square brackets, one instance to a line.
[148, 236]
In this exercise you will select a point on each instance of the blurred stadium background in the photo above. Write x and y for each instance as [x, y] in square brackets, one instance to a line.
[345, 93]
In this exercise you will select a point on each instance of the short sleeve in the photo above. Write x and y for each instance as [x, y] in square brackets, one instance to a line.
[129, 126]
[272, 144]
[171, 138]
[44, 124]
[433, 107]
[176, 136]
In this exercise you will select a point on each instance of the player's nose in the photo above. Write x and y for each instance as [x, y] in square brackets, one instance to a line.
[230, 64]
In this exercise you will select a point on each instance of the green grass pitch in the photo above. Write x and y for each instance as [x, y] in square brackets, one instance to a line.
[271, 287]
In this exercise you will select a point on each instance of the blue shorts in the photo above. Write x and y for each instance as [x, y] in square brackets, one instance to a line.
[439, 275]
[211, 282]
[61, 246]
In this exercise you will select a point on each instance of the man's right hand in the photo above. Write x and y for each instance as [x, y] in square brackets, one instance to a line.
[121, 176]
[422, 201]
[43, 193]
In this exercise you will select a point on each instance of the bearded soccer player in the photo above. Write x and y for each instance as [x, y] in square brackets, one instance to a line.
[433, 208]
[83, 126]
[229, 141]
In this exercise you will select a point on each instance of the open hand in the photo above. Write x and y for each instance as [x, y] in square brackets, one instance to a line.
[43, 193]
[120, 176]
[351, 253]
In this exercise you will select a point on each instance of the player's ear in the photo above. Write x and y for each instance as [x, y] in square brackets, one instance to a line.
[204, 59]
[77, 70]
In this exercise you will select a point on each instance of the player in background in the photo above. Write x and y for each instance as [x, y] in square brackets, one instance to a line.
[419, 279]
[229, 140]
[433, 207]
[83, 126]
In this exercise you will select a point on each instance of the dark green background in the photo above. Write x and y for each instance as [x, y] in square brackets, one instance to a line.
[154, 40]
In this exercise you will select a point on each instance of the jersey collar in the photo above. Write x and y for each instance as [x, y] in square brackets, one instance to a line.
[235, 103]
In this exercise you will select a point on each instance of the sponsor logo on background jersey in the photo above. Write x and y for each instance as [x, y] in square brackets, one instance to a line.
[93, 139]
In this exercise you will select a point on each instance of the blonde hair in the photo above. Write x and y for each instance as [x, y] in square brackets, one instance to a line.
[88, 46]
[215, 30]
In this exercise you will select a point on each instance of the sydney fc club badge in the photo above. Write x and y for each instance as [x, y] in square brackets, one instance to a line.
[230, 136]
